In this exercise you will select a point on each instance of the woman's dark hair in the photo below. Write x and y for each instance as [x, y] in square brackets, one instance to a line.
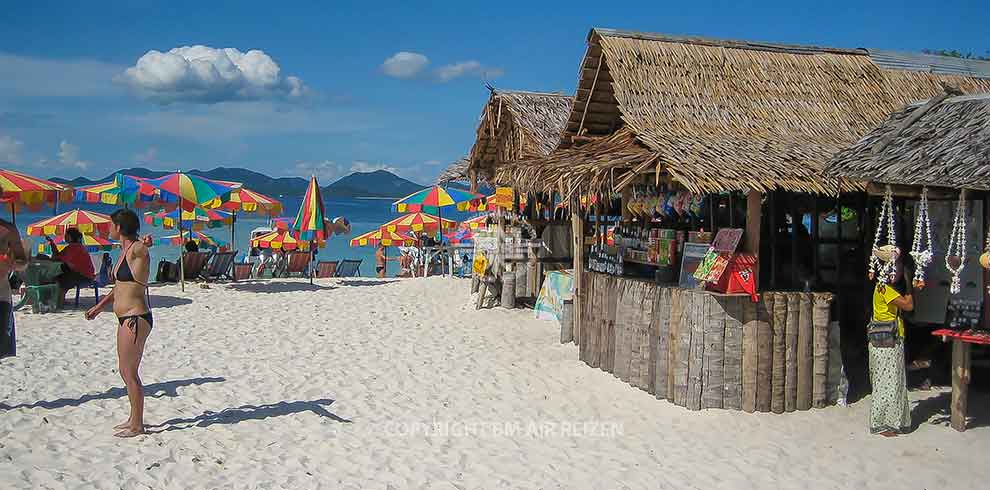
[128, 222]
[72, 235]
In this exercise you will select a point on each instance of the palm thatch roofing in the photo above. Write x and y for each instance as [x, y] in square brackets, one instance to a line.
[944, 143]
[720, 115]
[516, 125]
[455, 172]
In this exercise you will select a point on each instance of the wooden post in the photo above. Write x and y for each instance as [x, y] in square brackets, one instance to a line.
[577, 251]
[960, 383]
[805, 353]
[751, 237]
[777, 308]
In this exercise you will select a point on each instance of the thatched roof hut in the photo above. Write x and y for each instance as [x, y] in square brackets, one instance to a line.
[720, 115]
[517, 125]
[943, 143]
[455, 172]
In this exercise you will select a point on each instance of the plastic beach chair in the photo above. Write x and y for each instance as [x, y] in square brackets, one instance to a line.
[40, 289]
[297, 263]
[219, 266]
[193, 264]
[102, 278]
[349, 268]
[326, 268]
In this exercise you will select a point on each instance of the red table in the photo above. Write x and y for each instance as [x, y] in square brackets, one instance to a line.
[961, 342]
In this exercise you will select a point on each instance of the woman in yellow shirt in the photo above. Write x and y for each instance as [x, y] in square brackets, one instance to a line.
[889, 412]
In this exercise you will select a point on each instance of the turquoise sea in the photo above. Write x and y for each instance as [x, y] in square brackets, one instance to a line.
[363, 214]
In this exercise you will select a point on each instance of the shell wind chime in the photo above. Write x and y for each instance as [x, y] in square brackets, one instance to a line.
[883, 260]
[955, 255]
[921, 247]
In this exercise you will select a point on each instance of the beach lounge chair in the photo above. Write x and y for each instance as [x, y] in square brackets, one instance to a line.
[102, 278]
[219, 266]
[297, 263]
[349, 268]
[326, 268]
[242, 271]
[193, 264]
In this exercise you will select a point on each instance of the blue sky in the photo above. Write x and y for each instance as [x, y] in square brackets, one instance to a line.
[397, 86]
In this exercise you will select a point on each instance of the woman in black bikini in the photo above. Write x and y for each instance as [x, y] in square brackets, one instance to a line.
[133, 313]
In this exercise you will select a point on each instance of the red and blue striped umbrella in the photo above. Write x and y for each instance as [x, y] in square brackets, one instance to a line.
[433, 199]
[191, 190]
[311, 222]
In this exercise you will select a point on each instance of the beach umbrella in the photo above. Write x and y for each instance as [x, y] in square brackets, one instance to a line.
[461, 236]
[188, 191]
[479, 222]
[195, 219]
[281, 239]
[248, 201]
[87, 222]
[311, 222]
[123, 190]
[382, 237]
[419, 222]
[21, 189]
[92, 243]
[434, 199]
[202, 239]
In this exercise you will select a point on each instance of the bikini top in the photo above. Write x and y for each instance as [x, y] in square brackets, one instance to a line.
[124, 273]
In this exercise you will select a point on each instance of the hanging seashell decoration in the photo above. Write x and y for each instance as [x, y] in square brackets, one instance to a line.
[921, 247]
[883, 259]
[955, 255]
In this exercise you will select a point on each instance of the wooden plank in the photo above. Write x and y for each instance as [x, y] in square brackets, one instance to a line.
[660, 323]
[750, 357]
[697, 350]
[790, 351]
[764, 361]
[577, 250]
[639, 366]
[778, 305]
[673, 337]
[960, 384]
[683, 345]
[805, 361]
[712, 376]
[623, 319]
[613, 301]
[821, 318]
[732, 369]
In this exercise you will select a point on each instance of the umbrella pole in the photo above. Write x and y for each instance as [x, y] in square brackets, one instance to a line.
[233, 221]
[13, 215]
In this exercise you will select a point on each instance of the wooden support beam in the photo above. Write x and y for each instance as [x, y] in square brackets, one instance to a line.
[594, 83]
[960, 383]
[577, 251]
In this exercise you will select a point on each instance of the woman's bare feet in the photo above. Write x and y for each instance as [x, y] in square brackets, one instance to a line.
[123, 425]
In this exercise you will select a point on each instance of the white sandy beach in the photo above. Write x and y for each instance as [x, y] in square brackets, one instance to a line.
[360, 384]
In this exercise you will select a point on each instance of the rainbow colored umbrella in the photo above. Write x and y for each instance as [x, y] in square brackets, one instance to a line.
[123, 190]
[479, 222]
[382, 237]
[87, 222]
[249, 201]
[281, 240]
[196, 219]
[417, 222]
[433, 199]
[189, 191]
[92, 243]
[461, 236]
[311, 221]
[202, 239]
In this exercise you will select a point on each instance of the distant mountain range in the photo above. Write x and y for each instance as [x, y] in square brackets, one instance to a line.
[379, 183]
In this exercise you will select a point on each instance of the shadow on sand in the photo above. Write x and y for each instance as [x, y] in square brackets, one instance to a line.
[936, 410]
[275, 287]
[168, 389]
[236, 415]
[354, 283]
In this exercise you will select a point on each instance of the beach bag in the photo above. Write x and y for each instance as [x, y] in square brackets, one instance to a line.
[167, 272]
[882, 334]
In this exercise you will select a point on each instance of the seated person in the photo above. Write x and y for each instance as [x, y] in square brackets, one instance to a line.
[192, 246]
[77, 267]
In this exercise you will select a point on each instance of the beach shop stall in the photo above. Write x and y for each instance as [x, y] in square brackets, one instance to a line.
[931, 162]
[526, 235]
[738, 280]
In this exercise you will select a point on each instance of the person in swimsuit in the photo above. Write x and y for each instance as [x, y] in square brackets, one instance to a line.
[13, 257]
[133, 313]
[380, 261]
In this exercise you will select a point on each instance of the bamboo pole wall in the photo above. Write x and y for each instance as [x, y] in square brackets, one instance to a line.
[704, 350]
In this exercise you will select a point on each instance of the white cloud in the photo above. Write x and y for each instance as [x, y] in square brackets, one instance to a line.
[68, 154]
[405, 65]
[24, 76]
[208, 75]
[472, 68]
[147, 156]
[10, 150]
